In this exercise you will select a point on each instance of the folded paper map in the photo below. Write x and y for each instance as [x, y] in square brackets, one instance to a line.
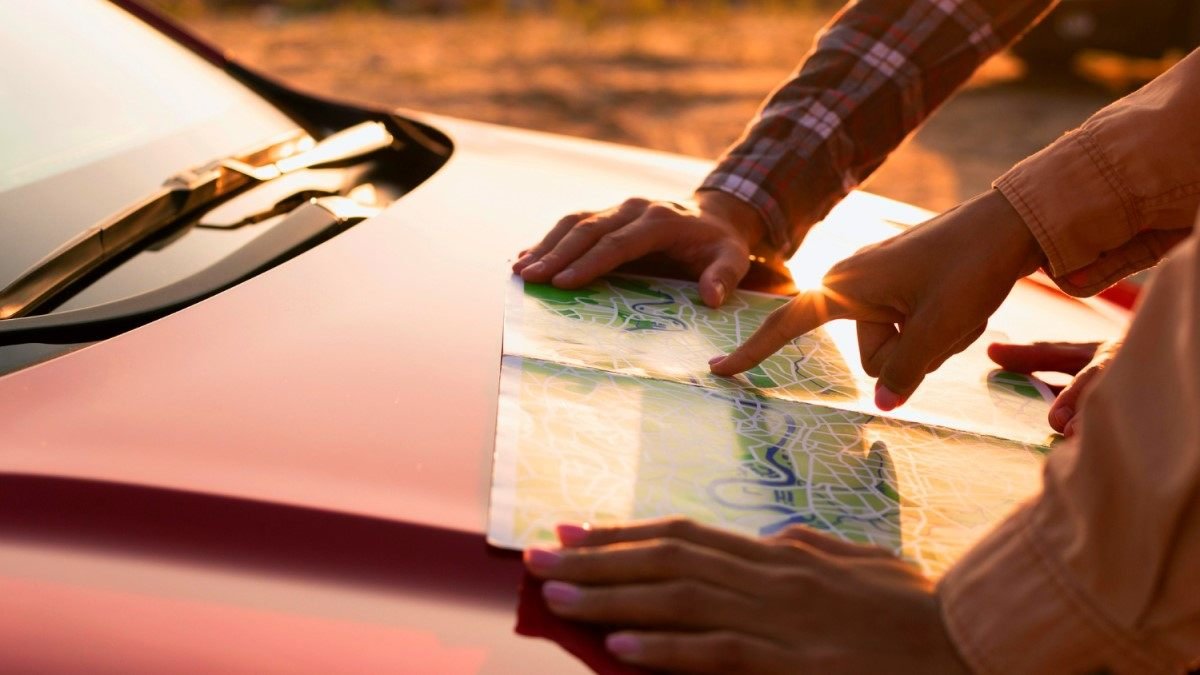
[608, 413]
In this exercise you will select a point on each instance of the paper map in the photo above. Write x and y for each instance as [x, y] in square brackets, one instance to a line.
[608, 413]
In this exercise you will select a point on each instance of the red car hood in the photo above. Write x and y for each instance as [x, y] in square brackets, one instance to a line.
[296, 471]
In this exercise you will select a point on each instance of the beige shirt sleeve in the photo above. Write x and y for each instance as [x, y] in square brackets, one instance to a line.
[1111, 197]
[1101, 572]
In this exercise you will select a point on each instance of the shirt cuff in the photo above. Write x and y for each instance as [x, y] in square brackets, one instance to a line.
[1073, 201]
[1009, 609]
[778, 235]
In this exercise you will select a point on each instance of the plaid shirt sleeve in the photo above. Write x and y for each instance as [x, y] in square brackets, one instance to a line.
[875, 73]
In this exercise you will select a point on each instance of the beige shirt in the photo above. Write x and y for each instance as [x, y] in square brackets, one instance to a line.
[1101, 572]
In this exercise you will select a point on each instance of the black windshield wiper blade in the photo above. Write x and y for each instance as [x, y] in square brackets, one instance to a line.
[181, 196]
[300, 230]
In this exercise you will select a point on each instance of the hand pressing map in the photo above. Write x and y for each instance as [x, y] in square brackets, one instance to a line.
[608, 413]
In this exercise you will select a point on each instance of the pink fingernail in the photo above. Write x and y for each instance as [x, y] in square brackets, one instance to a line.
[714, 360]
[623, 644]
[565, 277]
[535, 268]
[886, 399]
[561, 593]
[572, 535]
[542, 559]
[1069, 431]
[720, 292]
[523, 262]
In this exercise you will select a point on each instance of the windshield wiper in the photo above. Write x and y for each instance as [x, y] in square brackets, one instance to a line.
[298, 231]
[181, 196]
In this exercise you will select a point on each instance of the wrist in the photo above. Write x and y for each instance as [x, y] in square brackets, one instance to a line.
[743, 218]
[1013, 243]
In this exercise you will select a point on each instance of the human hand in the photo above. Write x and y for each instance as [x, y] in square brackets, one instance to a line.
[919, 297]
[711, 239]
[690, 598]
[1083, 360]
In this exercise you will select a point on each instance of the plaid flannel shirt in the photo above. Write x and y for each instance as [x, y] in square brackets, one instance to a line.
[875, 73]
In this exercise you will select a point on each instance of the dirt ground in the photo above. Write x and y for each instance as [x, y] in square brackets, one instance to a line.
[681, 83]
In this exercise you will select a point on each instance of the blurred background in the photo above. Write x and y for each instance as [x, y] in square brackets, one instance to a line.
[685, 76]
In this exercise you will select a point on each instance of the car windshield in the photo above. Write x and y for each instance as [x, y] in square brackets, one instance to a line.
[98, 109]
[71, 98]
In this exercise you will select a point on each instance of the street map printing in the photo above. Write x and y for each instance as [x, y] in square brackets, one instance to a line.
[608, 413]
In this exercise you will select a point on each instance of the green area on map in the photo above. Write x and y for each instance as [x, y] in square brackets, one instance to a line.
[608, 413]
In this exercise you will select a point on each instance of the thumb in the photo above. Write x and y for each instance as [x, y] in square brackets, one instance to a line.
[921, 342]
[723, 275]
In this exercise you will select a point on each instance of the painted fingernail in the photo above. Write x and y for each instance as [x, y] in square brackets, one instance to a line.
[623, 644]
[542, 559]
[561, 594]
[716, 359]
[886, 399]
[572, 535]
[566, 277]
[1062, 416]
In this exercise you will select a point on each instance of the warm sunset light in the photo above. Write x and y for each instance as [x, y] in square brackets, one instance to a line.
[599, 336]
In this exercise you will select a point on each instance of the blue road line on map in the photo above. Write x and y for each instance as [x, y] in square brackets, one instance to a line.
[841, 515]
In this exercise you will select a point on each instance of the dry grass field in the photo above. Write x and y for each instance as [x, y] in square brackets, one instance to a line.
[679, 81]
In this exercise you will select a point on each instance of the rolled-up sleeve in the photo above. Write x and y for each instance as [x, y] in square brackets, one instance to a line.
[1101, 572]
[1113, 196]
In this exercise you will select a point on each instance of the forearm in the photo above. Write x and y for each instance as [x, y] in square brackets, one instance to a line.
[876, 72]
[1099, 573]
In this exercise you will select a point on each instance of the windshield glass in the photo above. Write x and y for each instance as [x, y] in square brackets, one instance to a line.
[82, 81]
[98, 109]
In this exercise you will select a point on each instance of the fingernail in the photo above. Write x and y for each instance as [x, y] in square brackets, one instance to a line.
[886, 399]
[714, 360]
[542, 559]
[565, 277]
[1062, 416]
[535, 268]
[1069, 430]
[623, 644]
[573, 535]
[720, 286]
[561, 594]
[522, 262]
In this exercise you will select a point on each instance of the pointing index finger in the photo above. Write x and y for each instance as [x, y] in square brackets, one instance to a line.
[803, 313]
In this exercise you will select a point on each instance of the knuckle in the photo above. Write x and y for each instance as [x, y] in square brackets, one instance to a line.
[677, 527]
[659, 210]
[573, 218]
[795, 531]
[666, 555]
[592, 226]
[614, 241]
[553, 259]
